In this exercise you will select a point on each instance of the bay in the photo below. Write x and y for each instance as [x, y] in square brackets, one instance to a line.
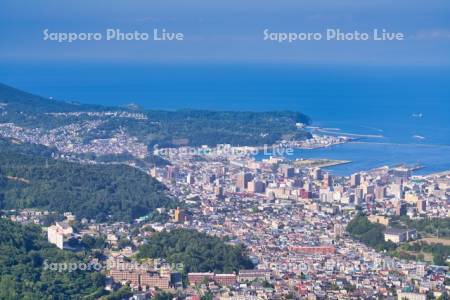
[407, 107]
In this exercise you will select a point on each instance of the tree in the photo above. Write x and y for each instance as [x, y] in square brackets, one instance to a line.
[25, 267]
[101, 192]
[369, 233]
[197, 251]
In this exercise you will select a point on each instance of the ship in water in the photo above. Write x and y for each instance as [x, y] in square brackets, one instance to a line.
[419, 137]
[417, 115]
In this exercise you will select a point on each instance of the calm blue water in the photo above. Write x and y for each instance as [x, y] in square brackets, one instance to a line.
[358, 100]
[369, 155]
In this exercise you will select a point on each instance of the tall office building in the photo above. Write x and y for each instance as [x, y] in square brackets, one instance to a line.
[256, 186]
[400, 210]
[190, 178]
[359, 195]
[396, 189]
[355, 180]
[242, 180]
[380, 192]
[327, 181]
[317, 174]
[287, 171]
[218, 191]
[422, 205]
[368, 189]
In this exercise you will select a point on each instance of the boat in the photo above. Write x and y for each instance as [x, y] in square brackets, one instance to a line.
[418, 137]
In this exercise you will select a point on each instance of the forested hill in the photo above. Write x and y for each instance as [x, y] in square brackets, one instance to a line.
[229, 127]
[198, 252]
[20, 101]
[165, 128]
[23, 256]
[102, 192]
[13, 146]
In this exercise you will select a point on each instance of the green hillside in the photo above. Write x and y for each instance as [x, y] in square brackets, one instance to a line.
[197, 251]
[24, 255]
[165, 128]
[102, 192]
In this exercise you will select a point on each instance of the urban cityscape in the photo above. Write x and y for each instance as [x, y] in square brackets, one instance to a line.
[301, 226]
[225, 150]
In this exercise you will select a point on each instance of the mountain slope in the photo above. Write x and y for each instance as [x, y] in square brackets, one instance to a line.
[24, 255]
[20, 101]
[102, 192]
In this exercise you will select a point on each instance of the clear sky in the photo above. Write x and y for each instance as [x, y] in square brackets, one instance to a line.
[228, 30]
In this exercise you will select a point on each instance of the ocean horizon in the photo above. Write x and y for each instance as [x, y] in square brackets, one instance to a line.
[403, 109]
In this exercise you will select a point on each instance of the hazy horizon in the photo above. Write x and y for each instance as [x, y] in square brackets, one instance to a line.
[227, 32]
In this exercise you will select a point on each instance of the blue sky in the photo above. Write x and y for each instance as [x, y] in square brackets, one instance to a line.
[228, 31]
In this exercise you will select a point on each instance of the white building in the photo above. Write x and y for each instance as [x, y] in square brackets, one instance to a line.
[59, 233]
[399, 235]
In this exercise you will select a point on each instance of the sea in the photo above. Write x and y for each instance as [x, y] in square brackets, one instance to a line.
[399, 114]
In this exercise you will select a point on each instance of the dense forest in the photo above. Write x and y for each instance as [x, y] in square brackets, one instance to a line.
[198, 127]
[165, 128]
[24, 253]
[236, 128]
[197, 251]
[100, 192]
[8, 145]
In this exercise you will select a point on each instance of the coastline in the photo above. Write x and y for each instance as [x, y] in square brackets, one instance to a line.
[365, 156]
[320, 162]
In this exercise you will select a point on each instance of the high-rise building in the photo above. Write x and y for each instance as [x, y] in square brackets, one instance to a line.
[327, 181]
[380, 192]
[326, 195]
[190, 178]
[368, 189]
[396, 189]
[359, 195]
[355, 180]
[287, 171]
[317, 174]
[421, 205]
[218, 191]
[221, 171]
[256, 186]
[308, 186]
[242, 180]
[400, 210]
